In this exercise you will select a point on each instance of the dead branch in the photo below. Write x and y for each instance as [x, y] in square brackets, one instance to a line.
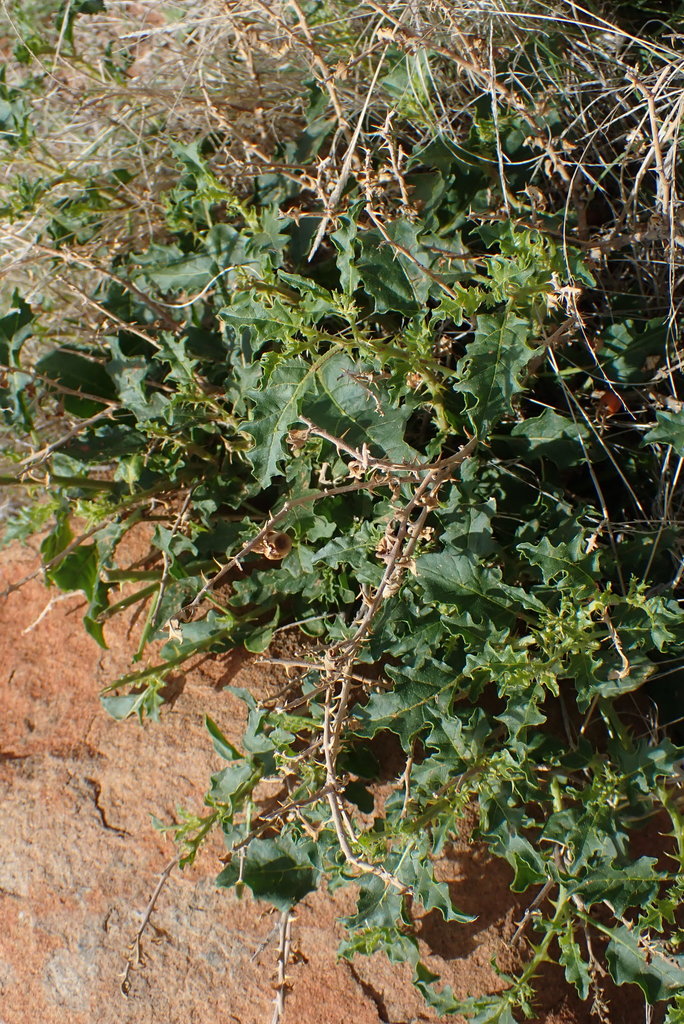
[135, 959]
[284, 948]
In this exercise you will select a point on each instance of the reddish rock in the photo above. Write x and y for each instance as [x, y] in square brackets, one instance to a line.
[79, 859]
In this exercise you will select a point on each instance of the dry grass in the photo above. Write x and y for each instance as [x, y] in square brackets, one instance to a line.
[239, 72]
[596, 108]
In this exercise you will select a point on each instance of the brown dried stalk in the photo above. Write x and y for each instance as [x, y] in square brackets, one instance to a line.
[284, 948]
[340, 661]
[136, 959]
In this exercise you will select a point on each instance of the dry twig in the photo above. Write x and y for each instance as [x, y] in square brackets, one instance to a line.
[135, 959]
[284, 948]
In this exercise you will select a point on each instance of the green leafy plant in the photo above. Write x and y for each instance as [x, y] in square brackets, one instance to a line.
[399, 439]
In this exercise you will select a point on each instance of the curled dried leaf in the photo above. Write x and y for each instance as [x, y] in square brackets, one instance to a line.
[297, 438]
[174, 629]
[385, 545]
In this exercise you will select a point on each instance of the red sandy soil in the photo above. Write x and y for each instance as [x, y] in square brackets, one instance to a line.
[79, 860]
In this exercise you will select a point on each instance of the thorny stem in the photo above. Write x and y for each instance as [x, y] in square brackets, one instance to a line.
[266, 820]
[378, 466]
[284, 947]
[44, 453]
[75, 543]
[272, 522]
[163, 582]
[406, 779]
[341, 661]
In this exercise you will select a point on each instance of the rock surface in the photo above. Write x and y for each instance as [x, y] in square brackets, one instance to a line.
[79, 859]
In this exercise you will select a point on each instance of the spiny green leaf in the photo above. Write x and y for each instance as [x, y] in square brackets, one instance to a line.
[147, 701]
[669, 430]
[576, 968]
[565, 562]
[399, 947]
[417, 872]
[553, 437]
[171, 270]
[490, 374]
[620, 885]
[443, 1001]
[379, 905]
[466, 585]
[281, 871]
[276, 408]
[232, 784]
[223, 747]
[527, 862]
[643, 962]
[394, 281]
[404, 710]
[416, 699]
[346, 406]
[129, 375]
[265, 320]
[343, 239]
